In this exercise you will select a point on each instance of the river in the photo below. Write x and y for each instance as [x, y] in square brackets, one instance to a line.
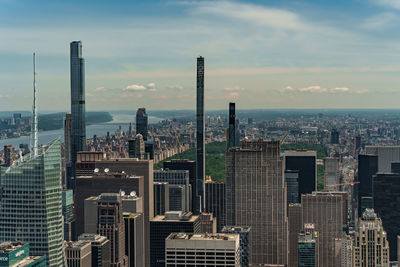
[119, 119]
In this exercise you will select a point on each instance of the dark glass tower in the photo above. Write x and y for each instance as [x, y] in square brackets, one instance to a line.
[386, 201]
[367, 168]
[233, 138]
[305, 162]
[142, 123]
[200, 162]
[78, 128]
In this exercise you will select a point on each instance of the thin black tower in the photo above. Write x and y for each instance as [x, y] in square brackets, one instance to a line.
[200, 162]
[78, 128]
[233, 135]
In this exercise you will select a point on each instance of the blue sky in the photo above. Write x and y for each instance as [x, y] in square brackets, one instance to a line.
[260, 54]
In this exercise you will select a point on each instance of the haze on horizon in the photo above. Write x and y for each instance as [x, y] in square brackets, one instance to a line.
[260, 54]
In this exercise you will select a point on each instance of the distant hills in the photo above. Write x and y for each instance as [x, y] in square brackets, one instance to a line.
[55, 121]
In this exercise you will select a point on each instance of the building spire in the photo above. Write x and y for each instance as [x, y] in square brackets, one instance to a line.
[34, 119]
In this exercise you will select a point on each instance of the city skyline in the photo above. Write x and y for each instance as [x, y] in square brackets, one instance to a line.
[283, 54]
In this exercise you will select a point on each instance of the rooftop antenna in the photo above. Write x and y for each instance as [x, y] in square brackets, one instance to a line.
[35, 119]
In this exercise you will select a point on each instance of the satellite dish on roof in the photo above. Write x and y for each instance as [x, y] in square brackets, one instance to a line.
[122, 193]
[96, 170]
[133, 194]
[106, 170]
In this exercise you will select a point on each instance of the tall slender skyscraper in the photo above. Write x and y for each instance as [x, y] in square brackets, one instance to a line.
[142, 123]
[200, 132]
[78, 129]
[30, 203]
[233, 136]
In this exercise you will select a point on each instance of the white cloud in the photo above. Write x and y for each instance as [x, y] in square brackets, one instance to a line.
[313, 89]
[263, 16]
[152, 87]
[89, 94]
[339, 90]
[135, 87]
[287, 89]
[234, 88]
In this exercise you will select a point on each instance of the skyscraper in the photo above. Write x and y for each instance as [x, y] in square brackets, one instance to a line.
[255, 197]
[386, 155]
[67, 147]
[134, 245]
[161, 198]
[78, 127]
[295, 225]
[308, 247]
[31, 205]
[328, 212]
[179, 188]
[68, 213]
[371, 247]
[141, 168]
[233, 136]
[162, 226]
[334, 137]
[292, 186]
[183, 249]
[67, 137]
[306, 163]
[102, 183]
[78, 253]
[386, 196]
[331, 173]
[367, 167]
[142, 123]
[200, 135]
[136, 147]
[185, 164]
[100, 249]
[215, 201]
[110, 223]
[244, 235]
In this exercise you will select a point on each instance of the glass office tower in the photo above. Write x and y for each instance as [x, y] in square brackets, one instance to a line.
[78, 127]
[31, 205]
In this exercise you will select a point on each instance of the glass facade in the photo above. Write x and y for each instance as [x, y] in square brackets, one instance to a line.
[200, 132]
[30, 204]
[78, 127]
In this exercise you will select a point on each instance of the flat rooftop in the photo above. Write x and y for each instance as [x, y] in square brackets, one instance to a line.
[162, 218]
[7, 247]
[203, 237]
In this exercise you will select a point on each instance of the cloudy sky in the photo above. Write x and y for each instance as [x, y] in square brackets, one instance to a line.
[260, 53]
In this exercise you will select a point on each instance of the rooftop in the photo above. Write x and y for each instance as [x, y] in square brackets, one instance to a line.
[92, 237]
[175, 216]
[206, 236]
[77, 244]
[6, 247]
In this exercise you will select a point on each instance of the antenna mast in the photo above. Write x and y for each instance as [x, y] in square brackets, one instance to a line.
[35, 119]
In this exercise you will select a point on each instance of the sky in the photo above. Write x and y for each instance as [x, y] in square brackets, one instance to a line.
[260, 54]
